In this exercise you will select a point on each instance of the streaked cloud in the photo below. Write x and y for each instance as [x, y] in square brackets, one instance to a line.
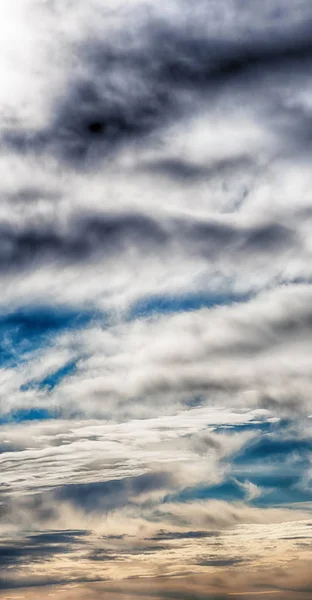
[155, 299]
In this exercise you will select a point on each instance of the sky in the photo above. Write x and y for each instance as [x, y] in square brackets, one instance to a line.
[155, 299]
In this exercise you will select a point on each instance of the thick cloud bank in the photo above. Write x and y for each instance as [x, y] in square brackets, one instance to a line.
[155, 299]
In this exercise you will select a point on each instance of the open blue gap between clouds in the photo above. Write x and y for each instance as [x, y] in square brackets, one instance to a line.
[276, 461]
[27, 414]
[276, 490]
[29, 329]
[53, 379]
[161, 304]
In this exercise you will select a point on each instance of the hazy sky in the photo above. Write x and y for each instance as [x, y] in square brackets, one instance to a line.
[155, 299]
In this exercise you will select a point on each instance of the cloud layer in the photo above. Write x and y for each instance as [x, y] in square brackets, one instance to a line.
[155, 299]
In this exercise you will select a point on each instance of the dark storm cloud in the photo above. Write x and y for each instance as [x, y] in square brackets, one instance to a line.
[87, 237]
[134, 89]
[82, 239]
[90, 125]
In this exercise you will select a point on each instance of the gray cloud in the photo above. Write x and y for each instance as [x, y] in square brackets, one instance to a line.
[112, 494]
[101, 237]
[152, 155]
[39, 548]
[134, 87]
[177, 535]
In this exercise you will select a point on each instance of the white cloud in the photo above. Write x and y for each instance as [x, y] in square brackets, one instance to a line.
[153, 151]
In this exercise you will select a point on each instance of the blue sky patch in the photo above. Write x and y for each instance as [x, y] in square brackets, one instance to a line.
[274, 490]
[183, 303]
[261, 426]
[276, 461]
[228, 490]
[26, 414]
[28, 329]
[272, 449]
[53, 379]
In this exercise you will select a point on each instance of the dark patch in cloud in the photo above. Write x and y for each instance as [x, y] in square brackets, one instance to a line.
[294, 537]
[95, 120]
[183, 535]
[11, 583]
[149, 549]
[179, 169]
[13, 554]
[190, 58]
[10, 446]
[84, 238]
[122, 536]
[112, 494]
[107, 554]
[68, 536]
[289, 403]
[254, 426]
[220, 562]
[271, 236]
[39, 547]
[25, 509]
[30, 195]
[100, 555]
[218, 239]
[204, 442]
[90, 237]
[135, 89]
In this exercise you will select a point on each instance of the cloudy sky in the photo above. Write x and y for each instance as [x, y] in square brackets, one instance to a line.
[155, 299]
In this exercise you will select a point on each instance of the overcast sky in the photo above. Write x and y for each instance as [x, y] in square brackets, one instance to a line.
[155, 299]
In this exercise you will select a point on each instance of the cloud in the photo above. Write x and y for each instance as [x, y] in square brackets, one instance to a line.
[129, 85]
[155, 298]
[38, 548]
[111, 494]
[176, 535]
[225, 354]
[227, 351]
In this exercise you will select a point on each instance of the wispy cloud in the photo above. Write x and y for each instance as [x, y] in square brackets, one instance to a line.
[155, 299]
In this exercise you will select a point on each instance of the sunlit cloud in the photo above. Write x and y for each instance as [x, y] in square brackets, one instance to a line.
[155, 299]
